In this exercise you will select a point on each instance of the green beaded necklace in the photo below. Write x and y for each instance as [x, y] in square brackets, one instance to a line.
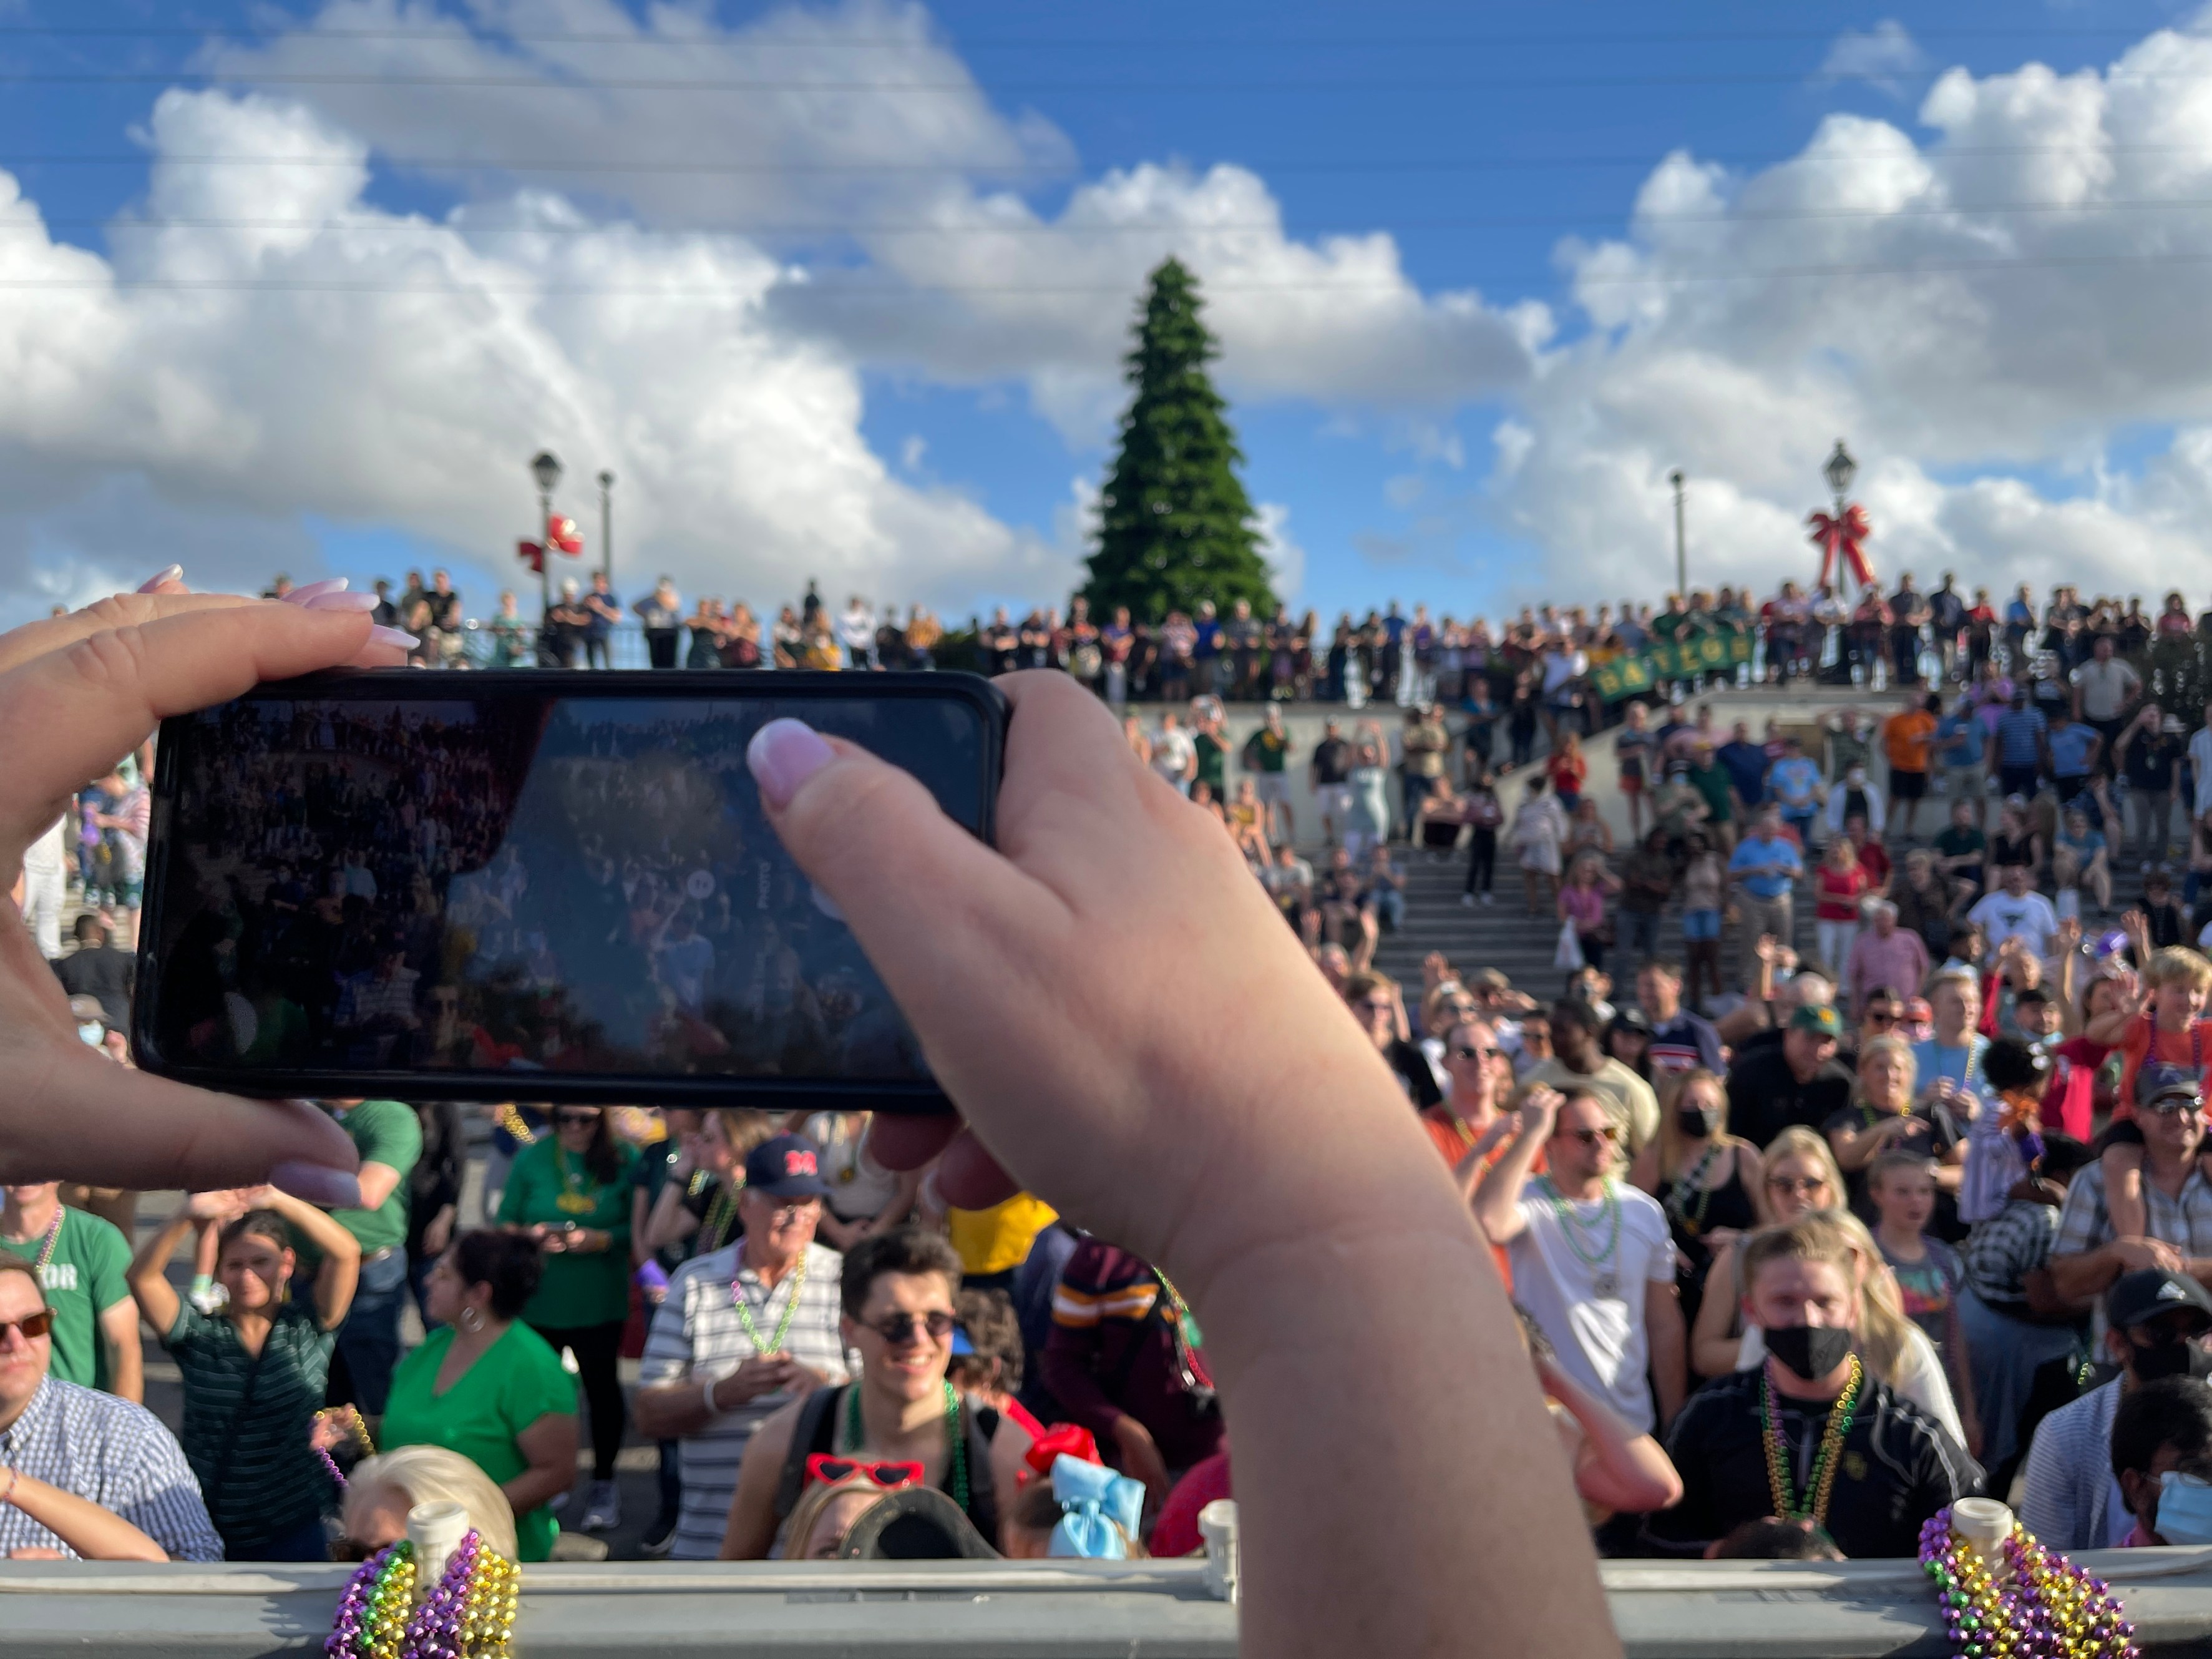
[955, 1443]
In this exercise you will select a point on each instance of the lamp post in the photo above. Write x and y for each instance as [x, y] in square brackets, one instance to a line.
[607, 526]
[545, 468]
[1681, 552]
[1839, 470]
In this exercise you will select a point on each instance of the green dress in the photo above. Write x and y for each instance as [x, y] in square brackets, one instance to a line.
[516, 1381]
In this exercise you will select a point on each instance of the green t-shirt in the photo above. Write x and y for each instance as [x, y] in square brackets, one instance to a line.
[1266, 749]
[515, 1381]
[1958, 841]
[386, 1132]
[1212, 761]
[84, 1277]
[549, 1185]
[259, 1475]
[1712, 783]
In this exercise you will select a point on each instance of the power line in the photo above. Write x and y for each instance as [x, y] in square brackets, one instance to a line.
[1059, 170]
[833, 288]
[862, 229]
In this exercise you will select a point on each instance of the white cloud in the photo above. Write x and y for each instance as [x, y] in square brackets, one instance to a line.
[1883, 55]
[1287, 560]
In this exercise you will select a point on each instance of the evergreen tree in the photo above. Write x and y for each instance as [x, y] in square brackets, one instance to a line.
[1174, 524]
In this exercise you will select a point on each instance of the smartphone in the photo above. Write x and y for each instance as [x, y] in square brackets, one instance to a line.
[527, 885]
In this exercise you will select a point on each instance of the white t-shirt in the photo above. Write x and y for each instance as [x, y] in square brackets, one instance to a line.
[2001, 916]
[1602, 1340]
[1923, 1383]
[1174, 755]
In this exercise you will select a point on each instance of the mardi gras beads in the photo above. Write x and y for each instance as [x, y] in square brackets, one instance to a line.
[468, 1615]
[2030, 1603]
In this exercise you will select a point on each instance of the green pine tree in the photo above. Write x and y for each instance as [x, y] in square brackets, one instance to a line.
[1174, 524]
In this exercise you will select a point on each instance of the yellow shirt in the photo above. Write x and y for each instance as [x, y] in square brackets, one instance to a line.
[998, 1240]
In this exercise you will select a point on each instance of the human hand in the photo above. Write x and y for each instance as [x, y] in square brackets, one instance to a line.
[226, 1204]
[1768, 949]
[2135, 1254]
[35, 1553]
[2070, 935]
[1099, 863]
[1539, 1112]
[76, 693]
[762, 1375]
[332, 1429]
[1140, 1458]
[439, 1233]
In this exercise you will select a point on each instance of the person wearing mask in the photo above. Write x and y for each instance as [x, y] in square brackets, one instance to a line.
[571, 1195]
[485, 1384]
[1712, 1186]
[1593, 1259]
[2162, 1460]
[388, 1139]
[1800, 1177]
[1579, 1061]
[897, 1291]
[2155, 1319]
[81, 1264]
[1796, 1081]
[1852, 796]
[742, 1331]
[254, 1374]
[1768, 1441]
[1680, 1040]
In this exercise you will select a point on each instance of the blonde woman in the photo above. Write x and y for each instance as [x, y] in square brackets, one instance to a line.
[1883, 1115]
[1711, 1184]
[383, 1488]
[1800, 1177]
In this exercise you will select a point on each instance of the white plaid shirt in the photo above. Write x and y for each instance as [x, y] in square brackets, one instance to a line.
[111, 1452]
[696, 1334]
[2184, 1223]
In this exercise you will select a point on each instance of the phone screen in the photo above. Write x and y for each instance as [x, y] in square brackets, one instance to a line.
[461, 882]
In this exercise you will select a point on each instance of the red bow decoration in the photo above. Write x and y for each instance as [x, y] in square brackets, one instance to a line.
[1842, 537]
[1071, 1439]
[562, 534]
[530, 554]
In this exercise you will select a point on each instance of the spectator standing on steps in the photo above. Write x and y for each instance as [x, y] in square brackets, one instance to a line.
[1329, 771]
[1578, 1062]
[1765, 867]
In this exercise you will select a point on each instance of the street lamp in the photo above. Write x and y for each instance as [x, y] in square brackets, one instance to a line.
[607, 525]
[1681, 553]
[545, 468]
[1840, 472]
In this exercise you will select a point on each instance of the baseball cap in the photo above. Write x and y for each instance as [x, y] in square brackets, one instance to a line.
[1917, 1011]
[2159, 1081]
[786, 1166]
[2137, 1299]
[1818, 1018]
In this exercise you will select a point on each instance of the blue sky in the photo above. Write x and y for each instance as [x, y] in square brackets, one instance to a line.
[1491, 146]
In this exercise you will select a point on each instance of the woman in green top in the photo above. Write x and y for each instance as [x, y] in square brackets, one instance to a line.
[570, 1192]
[486, 1386]
[254, 1374]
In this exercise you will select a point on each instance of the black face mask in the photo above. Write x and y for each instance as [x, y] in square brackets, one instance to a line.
[1696, 1125]
[2173, 1357]
[1810, 1351]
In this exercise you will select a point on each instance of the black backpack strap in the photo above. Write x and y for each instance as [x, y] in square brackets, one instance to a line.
[817, 1420]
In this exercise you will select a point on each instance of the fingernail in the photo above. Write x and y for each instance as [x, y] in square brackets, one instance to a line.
[153, 583]
[314, 1183]
[381, 635]
[783, 754]
[336, 601]
[310, 592]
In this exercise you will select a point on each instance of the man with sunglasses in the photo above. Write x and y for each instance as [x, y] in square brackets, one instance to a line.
[83, 1475]
[1593, 1257]
[742, 1331]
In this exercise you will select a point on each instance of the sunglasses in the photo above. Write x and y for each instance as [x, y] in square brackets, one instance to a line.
[1881, 1016]
[1379, 1005]
[898, 1329]
[1808, 1184]
[33, 1326]
[575, 1120]
[1609, 1134]
[1468, 1052]
[2168, 1105]
[830, 1470]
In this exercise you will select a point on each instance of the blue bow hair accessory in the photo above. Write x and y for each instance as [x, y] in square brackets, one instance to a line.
[1099, 1511]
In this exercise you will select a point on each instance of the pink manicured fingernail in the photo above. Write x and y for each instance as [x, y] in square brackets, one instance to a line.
[312, 1183]
[308, 594]
[399, 637]
[154, 581]
[783, 754]
[342, 602]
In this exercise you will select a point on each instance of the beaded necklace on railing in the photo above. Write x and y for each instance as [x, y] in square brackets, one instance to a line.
[2034, 1604]
[469, 1614]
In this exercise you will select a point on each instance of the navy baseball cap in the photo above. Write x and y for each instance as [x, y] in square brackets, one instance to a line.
[786, 1167]
[2138, 1298]
[2158, 1080]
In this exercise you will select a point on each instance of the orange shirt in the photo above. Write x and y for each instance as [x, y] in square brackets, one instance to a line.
[1451, 1138]
[2181, 1048]
[1908, 737]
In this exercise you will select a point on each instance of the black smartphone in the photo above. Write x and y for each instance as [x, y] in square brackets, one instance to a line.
[527, 885]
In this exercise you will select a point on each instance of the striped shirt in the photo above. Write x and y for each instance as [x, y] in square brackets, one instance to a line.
[2070, 1498]
[256, 1468]
[111, 1452]
[696, 1334]
[2085, 1224]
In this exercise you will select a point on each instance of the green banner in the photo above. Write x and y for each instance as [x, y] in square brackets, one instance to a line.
[1632, 676]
